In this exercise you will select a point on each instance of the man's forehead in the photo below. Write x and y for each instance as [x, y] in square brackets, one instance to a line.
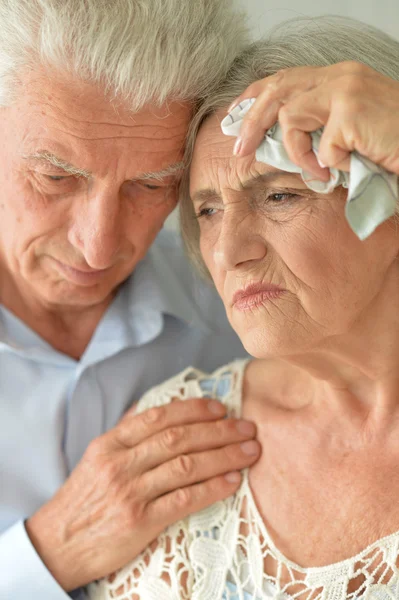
[60, 102]
[47, 88]
[106, 136]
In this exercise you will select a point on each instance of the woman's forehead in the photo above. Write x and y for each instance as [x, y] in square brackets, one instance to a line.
[213, 160]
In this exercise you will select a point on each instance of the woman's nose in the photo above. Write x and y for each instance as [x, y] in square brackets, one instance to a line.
[97, 230]
[238, 242]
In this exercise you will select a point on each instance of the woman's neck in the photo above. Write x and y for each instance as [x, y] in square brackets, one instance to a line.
[358, 368]
[328, 424]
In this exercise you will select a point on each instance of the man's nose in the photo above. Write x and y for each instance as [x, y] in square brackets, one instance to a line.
[97, 230]
[239, 243]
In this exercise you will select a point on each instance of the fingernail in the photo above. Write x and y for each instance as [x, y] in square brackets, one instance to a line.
[246, 427]
[216, 407]
[251, 448]
[233, 477]
[237, 146]
[323, 166]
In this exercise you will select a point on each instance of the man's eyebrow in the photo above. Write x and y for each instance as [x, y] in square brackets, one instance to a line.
[46, 156]
[270, 177]
[171, 171]
[49, 157]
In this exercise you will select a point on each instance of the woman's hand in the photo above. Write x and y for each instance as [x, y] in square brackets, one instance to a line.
[358, 108]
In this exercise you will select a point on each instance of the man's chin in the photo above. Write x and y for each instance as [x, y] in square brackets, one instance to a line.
[72, 295]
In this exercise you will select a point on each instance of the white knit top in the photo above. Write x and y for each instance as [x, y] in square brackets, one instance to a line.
[220, 553]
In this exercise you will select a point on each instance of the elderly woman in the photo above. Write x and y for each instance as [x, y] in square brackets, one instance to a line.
[317, 517]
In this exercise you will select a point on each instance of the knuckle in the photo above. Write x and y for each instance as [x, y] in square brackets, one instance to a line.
[226, 426]
[138, 454]
[353, 85]
[183, 465]
[230, 453]
[95, 450]
[251, 121]
[252, 90]
[284, 115]
[172, 438]
[182, 499]
[200, 405]
[354, 67]
[131, 514]
[255, 88]
[110, 471]
[280, 75]
[348, 100]
[153, 416]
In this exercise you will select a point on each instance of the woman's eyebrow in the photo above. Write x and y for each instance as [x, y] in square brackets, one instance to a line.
[205, 194]
[267, 178]
[248, 184]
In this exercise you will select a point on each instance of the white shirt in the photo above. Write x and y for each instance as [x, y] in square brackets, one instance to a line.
[163, 319]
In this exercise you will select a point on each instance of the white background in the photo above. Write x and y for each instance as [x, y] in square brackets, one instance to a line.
[265, 14]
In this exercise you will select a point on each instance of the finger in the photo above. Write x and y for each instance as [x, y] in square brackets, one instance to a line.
[182, 502]
[182, 439]
[188, 469]
[134, 428]
[282, 84]
[302, 115]
[335, 147]
[260, 118]
[252, 91]
[299, 148]
[277, 91]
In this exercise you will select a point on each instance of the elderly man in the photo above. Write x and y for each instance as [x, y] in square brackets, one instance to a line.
[96, 97]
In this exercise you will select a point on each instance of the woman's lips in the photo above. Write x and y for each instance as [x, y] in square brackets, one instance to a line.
[255, 294]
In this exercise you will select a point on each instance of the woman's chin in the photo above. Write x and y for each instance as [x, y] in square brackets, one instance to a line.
[271, 342]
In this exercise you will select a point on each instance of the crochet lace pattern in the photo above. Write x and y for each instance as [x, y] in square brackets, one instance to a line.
[224, 552]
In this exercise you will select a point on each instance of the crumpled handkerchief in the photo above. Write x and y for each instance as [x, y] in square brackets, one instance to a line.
[372, 191]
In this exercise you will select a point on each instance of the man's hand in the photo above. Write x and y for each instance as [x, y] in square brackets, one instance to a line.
[150, 471]
[357, 107]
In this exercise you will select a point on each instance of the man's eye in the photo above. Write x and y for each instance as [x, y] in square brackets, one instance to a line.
[151, 186]
[56, 177]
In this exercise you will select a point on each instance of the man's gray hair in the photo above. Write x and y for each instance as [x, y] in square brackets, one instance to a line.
[140, 51]
[321, 41]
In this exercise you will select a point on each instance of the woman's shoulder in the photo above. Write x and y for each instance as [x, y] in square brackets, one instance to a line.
[224, 384]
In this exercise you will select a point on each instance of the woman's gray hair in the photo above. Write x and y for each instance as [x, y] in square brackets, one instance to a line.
[139, 50]
[321, 41]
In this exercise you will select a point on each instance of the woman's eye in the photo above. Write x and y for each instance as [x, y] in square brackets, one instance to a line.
[281, 197]
[206, 212]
